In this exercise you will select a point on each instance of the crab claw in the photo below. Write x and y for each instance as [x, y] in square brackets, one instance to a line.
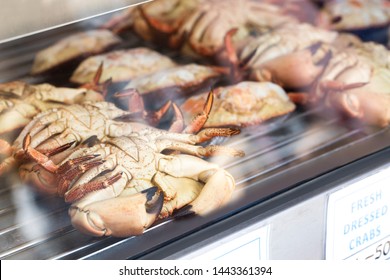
[117, 216]
[136, 106]
[39, 157]
[199, 121]
[96, 85]
[218, 185]
[283, 71]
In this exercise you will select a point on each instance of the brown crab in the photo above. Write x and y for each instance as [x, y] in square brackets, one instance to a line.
[20, 102]
[58, 126]
[54, 128]
[243, 104]
[158, 20]
[198, 27]
[122, 65]
[175, 82]
[275, 56]
[120, 186]
[155, 20]
[73, 48]
[203, 32]
[356, 81]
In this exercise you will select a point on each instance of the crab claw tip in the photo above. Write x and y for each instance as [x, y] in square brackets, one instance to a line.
[155, 200]
[183, 212]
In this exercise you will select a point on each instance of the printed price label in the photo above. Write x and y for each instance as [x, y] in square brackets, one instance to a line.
[358, 218]
[248, 244]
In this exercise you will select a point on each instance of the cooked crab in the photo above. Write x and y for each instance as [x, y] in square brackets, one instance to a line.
[122, 65]
[243, 104]
[158, 20]
[275, 56]
[119, 187]
[20, 102]
[154, 19]
[357, 82]
[355, 14]
[203, 32]
[57, 126]
[175, 82]
[73, 48]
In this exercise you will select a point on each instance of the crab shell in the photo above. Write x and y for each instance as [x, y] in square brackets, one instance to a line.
[202, 33]
[292, 56]
[110, 184]
[356, 82]
[370, 103]
[243, 104]
[156, 21]
[73, 48]
[20, 102]
[174, 82]
[354, 14]
[282, 41]
[122, 65]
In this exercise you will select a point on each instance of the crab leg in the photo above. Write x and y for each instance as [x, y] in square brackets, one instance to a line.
[38, 124]
[7, 164]
[200, 151]
[218, 188]
[253, 56]
[156, 24]
[204, 135]
[89, 171]
[177, 125]
[5, 148]
[203, 30]
[40, 158]
[79, 192]
[67, 177]
[136, 105]
[18, 117]
[95, 85]
[199, 121]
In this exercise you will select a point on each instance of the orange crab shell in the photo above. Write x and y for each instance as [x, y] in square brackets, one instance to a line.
[243, 104]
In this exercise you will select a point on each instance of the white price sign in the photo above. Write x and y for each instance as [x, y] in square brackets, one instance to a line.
[247, 244]
[358, 219]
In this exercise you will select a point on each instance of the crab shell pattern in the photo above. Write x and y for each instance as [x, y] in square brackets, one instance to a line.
[356, 82]
[175, 82]
[72, 48]
[122, 185]
[20, 102]
[122, 65]
[243, 104]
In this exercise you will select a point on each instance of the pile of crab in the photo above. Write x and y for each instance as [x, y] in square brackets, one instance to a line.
[104, 144]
